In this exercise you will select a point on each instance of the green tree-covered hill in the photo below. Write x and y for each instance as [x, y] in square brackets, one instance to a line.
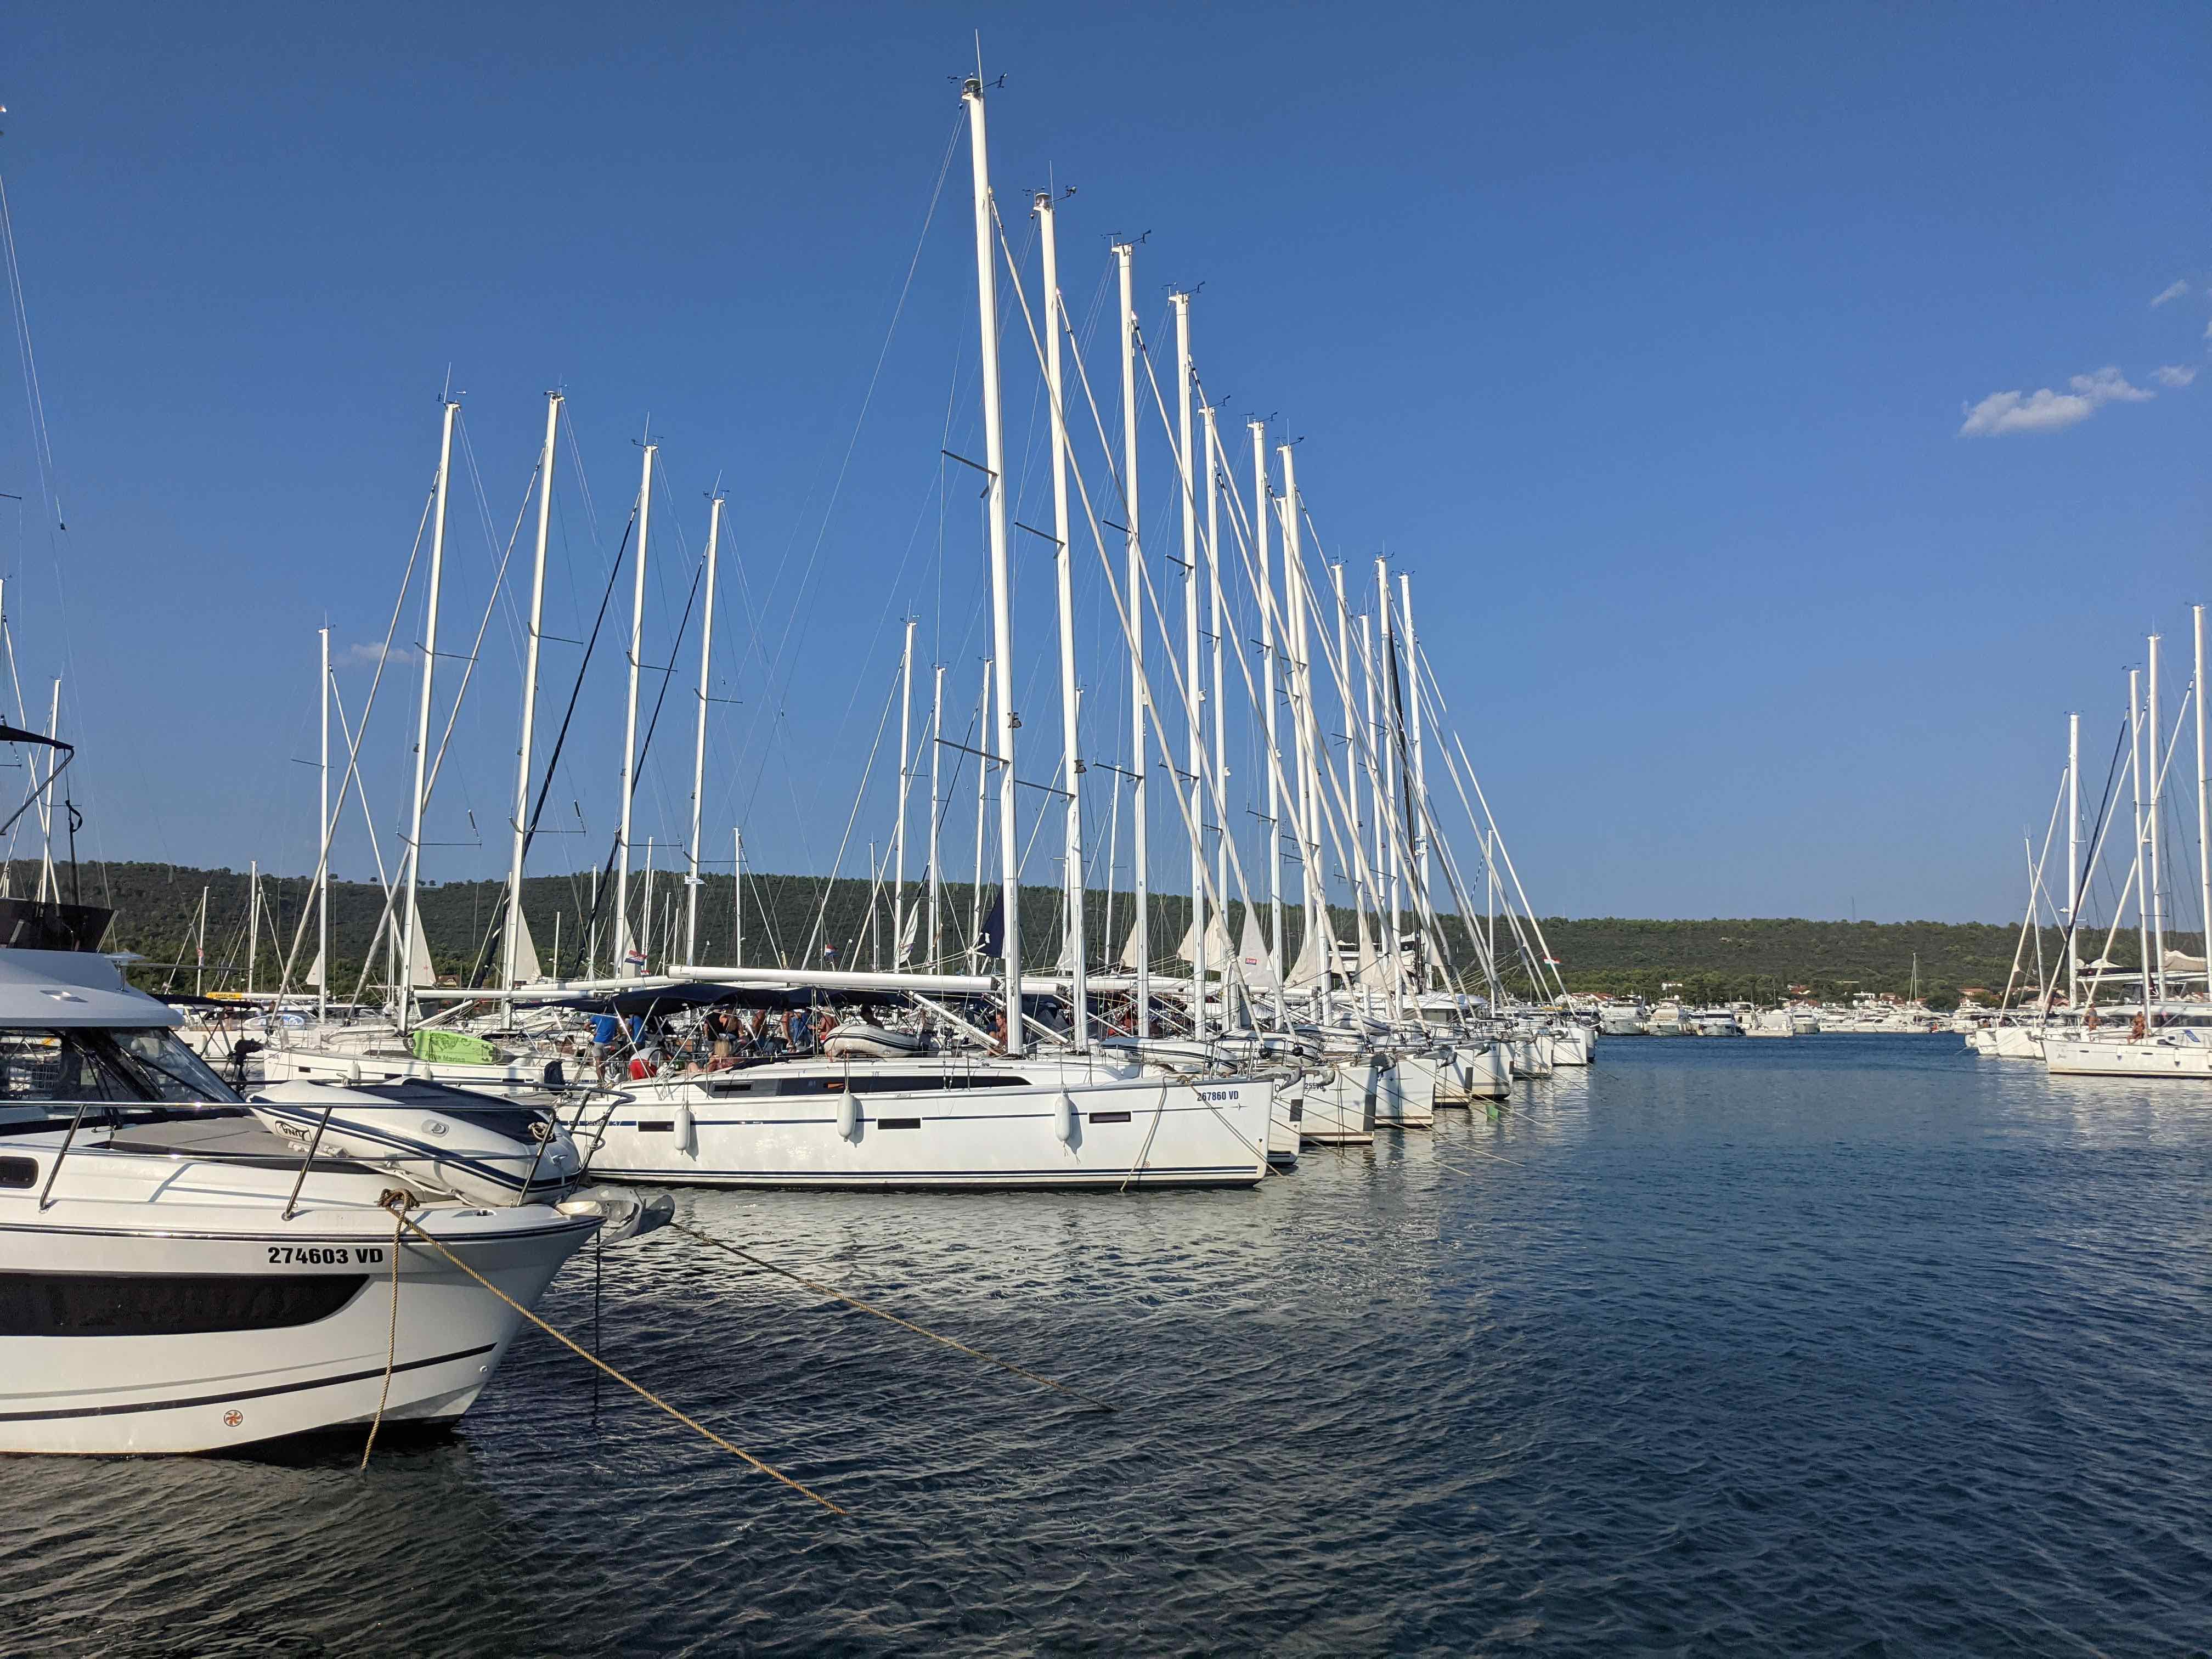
[791, 919]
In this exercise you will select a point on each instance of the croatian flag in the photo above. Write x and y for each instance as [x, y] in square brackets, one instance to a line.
[635, 958]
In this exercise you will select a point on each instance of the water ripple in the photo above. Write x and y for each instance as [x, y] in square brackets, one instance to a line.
[1843, 1346]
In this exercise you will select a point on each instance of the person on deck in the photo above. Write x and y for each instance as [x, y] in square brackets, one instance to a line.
[606, 1031]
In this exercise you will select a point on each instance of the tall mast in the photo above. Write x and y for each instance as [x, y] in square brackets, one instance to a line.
[323, 871]
[936, 808]
[983, 788]
[1193, 708]
[1416, 785]
[736, 896]
[2156, 890]
[414, 913]
[1071, 763]
[1125, 259]
[253, 919]
[905, 777]
[1371, 759]
[1294, 596]
[1002, 624]
[623, 947]
[699, 742]
[2074, 829]
[2203, 840]
[1220, 699]
[1355, 830]
[1261, 498]
[525, 756]
[1375, 747]
[199, 949]
[2135, 780]
[645, 910]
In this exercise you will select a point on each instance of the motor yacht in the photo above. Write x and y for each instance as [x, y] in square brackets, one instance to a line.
[1621, 1018]
[176, 1275]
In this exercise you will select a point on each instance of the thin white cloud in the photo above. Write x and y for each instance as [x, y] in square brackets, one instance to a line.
[2045, 411]
[2173, 291]
[370, 656]
[2175, 374]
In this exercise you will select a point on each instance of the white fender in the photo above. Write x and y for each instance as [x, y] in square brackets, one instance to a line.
[848, 1116]
[687, 1132]
[1063, 1119]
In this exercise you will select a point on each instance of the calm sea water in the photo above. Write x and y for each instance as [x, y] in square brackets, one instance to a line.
[1835, 1346]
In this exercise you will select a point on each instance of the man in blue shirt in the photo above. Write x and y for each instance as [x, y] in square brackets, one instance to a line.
[605, 1029]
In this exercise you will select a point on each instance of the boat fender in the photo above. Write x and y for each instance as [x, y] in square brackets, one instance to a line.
[1063, 1119]
[848, 1116]
[353, 1071]
[687, 1137]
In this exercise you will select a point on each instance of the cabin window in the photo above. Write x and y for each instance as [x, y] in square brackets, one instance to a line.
[119, 1304]
[85, 1064]
[1109, 1117]
[898, 1083]
[898, 1123]
[656, 1127]
[18, 1172]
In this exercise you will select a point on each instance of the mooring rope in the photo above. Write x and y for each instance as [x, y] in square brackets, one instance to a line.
[391, 1346]
[637, 1389]
[1159, 1110]
[1479, 1152]
[904, 1324]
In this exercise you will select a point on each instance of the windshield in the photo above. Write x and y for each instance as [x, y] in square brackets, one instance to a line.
[130, 1066]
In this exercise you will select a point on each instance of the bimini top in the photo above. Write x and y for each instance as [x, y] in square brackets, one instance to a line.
[41, 988]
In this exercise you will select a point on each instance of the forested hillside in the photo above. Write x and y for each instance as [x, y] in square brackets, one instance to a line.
[791, 919]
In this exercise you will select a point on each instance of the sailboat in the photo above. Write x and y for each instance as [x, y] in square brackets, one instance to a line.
[2166, 1036]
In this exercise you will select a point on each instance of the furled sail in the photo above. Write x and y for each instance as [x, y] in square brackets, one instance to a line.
[526, 968]
[1251, 958]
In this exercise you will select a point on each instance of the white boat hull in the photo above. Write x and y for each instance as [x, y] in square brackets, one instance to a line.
[1477, 1072]
[1573, 1045]
[218, 1389]
[2015, 1042]
[1283, 1124]
[1341, 1098]
[2158, 1057]
[1529, 1057]
[1407, 1098]
[1139, 1132]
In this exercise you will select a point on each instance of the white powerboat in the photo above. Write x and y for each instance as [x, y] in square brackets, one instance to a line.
[175, 1277]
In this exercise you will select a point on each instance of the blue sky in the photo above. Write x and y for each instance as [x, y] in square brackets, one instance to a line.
[1776, 407]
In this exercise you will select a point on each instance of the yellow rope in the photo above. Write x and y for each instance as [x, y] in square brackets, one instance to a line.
[637, 1389]
[392, 1347]
[905, 1324]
